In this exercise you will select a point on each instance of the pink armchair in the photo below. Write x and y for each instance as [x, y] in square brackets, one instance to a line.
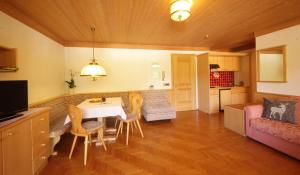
[281, 136]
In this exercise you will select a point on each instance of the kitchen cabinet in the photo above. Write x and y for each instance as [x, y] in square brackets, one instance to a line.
[239, 95]
[226, 63]
[214, 101]
[236, 95]
[239, 98]
[208, 98]
[225, 98]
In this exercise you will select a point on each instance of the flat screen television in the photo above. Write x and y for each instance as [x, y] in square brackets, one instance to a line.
[13, 98]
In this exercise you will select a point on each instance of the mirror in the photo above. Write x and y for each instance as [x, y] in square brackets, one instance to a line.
[271, 64]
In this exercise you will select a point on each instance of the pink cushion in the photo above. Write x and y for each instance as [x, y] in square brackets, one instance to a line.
[286, 131]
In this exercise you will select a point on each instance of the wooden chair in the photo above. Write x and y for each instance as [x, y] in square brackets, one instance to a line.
[130, 95]
[85, 130]
[136, 102]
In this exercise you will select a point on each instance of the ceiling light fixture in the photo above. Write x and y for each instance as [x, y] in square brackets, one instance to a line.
[180, 10]
[93, 69]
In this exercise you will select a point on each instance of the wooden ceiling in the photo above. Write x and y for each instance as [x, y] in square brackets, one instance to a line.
[229, 24]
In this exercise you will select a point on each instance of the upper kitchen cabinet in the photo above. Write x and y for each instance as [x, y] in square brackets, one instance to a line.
[8, 59]
[226, 63]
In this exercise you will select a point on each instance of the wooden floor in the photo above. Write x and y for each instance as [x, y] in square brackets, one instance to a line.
[194, 143]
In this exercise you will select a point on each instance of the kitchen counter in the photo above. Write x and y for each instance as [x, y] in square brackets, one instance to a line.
[219, 87]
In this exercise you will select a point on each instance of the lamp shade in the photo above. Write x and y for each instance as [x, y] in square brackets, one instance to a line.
[180, 10]
[93, 69]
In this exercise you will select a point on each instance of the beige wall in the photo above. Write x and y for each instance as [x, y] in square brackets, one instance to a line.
[127, 69]
[291, 38]
[40, 59]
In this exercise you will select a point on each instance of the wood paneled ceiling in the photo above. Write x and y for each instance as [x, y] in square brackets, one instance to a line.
[147, 24]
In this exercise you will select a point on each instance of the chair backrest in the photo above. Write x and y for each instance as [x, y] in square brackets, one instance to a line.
[75, 115]
[136, 102]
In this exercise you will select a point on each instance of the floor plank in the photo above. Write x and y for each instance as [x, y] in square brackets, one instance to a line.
[193, 143]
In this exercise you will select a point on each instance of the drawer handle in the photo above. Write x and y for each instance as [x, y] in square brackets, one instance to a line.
[42, 119]
[43, 157]
[10, 134]
[43, 144]
[42, 132]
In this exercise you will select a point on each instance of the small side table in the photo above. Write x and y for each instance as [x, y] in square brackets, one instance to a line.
[234, 118]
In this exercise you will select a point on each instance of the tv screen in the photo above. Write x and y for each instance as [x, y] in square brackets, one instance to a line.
[13, 98]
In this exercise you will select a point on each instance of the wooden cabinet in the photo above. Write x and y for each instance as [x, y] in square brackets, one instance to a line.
[25, 143]
[213, 101]
[236, 95]
[239, 95]
[226, 63]
[40, 138]
[16, 149]
[239, 98]
[235, 63]
[225, 98]
[234, 118]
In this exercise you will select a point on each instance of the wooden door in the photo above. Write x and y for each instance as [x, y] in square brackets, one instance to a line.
[17, 150]
[184, 81]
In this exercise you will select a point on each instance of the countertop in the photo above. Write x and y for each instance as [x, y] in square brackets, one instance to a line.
[219, 87]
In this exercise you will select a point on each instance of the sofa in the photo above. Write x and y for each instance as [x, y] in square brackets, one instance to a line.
[156, 106]
[281, 136]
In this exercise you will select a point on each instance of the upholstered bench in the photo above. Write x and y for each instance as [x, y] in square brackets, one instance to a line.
[57, 128]
[157, 106]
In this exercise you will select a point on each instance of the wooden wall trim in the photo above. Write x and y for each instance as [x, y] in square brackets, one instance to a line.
[134, 46]
[45, 101]
[88, 93]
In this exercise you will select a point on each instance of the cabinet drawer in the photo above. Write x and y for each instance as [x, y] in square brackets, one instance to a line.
[41, 146]
[214, 91]
[40, 128]
[41, 120]
[236, 90]
[40, 161]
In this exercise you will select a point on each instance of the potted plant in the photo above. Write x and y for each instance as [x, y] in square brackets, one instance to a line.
[71, 83]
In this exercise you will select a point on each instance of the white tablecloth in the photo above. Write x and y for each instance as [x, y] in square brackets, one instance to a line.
[112, 107]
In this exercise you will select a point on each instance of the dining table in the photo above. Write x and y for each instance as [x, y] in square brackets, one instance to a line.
[100, 110]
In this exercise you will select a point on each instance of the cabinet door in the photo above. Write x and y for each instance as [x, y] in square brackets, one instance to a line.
[235, 98]
[17, 150]
[235, 63]
[214, 103]
[239, 98]
[228, 63]
[213, 60]
[225, 98]
[221, 62]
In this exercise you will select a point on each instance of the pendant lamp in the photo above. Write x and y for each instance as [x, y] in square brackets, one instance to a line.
[93, 69]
